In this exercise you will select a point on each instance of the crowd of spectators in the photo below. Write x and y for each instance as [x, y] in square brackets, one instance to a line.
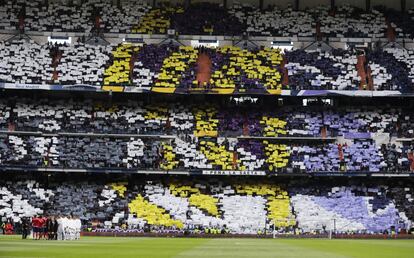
[390, 70]
[82, 64]
[274, 22]
[402, 23]
[316, 70]
[9, 11]
[57, 116]
[25, 63]
[203, 19]
[40, 133]
[168, 68]
[208, 207]
[349, 22]
[206, 19]
[204, 138]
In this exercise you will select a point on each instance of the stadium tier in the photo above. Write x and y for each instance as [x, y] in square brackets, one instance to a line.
[234, 120]
[202, 19]
[173, 69]
[247, 137]
[207, 206]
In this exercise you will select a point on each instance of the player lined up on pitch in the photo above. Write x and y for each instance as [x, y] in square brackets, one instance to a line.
[51, 228]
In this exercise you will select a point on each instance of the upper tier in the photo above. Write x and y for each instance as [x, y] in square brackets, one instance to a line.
[135, 16]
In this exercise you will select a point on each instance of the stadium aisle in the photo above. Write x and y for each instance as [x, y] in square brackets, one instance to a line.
[204, 69]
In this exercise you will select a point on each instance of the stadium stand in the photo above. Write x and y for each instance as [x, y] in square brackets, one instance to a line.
[236, 207]
[157, 20]
[82, 64]
[25, 63]
[132, 117]
[357, 213]
[274, 22]
[149, 62]
[401, 22]
[205, 19]
[8, 16]
[117, 153]
[173, 73]
[389, 72]
[237, 68]
[350, 22]
[126, 135]
[322, 70]
[59, 17]
[169, 69]
[122, 19]
[118, 72]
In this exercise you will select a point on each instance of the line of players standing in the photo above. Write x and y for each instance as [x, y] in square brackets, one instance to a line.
[43, 227]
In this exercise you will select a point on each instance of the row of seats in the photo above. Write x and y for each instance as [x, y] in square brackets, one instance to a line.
[237, 207]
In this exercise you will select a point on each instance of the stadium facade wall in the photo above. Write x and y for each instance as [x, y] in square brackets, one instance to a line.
[311, 4]
[201, 1]
[253, 2]
[356, 3]
[281, 3]
[390, 4]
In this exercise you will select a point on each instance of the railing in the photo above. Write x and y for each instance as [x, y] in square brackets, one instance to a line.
[202, 172]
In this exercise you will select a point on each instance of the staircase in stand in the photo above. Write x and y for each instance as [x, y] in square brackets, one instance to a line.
[362, 73]
[203, 69]
[318, 31]
[391, 34]
[22, 15]
[56, 56]
[411, 159]
[323, 132]
[285, 73]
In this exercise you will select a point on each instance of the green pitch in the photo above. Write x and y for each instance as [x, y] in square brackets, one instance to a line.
[13, 246]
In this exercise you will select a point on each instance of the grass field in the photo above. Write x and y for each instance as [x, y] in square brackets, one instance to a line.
[13, 246]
